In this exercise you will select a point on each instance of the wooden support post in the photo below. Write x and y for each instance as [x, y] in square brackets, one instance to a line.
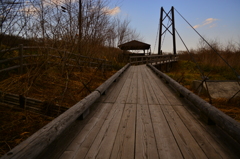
[206, 119]
[20, 54]
[84, 114]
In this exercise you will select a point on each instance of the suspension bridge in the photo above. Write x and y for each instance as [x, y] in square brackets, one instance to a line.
[137, 113]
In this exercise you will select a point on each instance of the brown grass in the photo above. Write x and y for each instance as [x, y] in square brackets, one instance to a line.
[50, 85]
[212, 66]
[17, 125]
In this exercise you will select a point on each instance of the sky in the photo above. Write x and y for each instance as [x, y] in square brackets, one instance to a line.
[217, 20]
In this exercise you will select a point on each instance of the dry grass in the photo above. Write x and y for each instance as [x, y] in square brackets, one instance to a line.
[204, 62]
[213, 65]
[186, 72]
[17, 125]
[50, 85]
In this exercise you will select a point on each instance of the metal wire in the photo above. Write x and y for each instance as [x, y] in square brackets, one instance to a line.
[193, 59]
[156, 36]
[236, 73]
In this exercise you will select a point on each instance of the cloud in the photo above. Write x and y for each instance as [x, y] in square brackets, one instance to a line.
[30, 10]
[206, 22]
[113, 11]
[52, 2]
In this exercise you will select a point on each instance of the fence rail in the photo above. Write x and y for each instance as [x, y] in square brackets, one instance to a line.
[157, 59]
[80, 59]
[34, 105]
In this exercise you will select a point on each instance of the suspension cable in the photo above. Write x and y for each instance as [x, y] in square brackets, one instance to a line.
[236, 73]
[156, 36]
[204, 78]
[193, 59]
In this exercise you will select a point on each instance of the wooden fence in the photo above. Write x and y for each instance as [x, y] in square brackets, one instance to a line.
[34, 105]
[80, 60]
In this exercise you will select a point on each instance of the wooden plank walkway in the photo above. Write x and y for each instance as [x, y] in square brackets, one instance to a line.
[140, 117]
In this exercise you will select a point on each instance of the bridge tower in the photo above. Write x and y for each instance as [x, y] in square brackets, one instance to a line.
[161, 32]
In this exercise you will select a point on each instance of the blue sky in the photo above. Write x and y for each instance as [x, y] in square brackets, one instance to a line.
[214, 19]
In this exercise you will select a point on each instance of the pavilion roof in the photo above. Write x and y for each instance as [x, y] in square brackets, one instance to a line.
[134, 45]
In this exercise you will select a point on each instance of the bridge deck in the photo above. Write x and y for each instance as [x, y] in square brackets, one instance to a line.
[140, 117]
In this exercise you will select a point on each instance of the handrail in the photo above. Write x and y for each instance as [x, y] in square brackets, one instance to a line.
[153, 59]
[40, 140]
[229, 125]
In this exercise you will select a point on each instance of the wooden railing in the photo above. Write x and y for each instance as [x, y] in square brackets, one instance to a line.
[35, 144]
[209, 113]
[79, 59]
[157, 59]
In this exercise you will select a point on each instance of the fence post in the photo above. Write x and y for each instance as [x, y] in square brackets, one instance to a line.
[22, 101]
[20, 55]
[103, 63]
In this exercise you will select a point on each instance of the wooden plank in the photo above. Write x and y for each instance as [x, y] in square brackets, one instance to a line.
[211, 148]
[203, 146]
[220, 137]
[103, 87]
[166, 143]
[187, 144]
[133, 89]
[151, 98]
[125, 140]
[159, 88]
[141, 96]
[228, 124]
[108, 130]
[113, 92]
[146, 146]
[59, 146]
[86, 137]
[162, 91]
[122, 97]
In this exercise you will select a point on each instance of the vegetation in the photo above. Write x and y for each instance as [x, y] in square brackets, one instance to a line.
[204, 63]
[81, 27]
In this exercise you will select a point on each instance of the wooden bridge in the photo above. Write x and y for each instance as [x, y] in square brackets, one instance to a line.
[140, 116]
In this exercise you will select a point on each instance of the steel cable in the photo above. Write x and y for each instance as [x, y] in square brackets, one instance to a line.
[236, 73]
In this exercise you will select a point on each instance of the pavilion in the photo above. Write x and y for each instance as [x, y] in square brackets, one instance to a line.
[136, 45]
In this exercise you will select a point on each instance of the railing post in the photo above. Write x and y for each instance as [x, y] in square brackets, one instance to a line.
[20, 55]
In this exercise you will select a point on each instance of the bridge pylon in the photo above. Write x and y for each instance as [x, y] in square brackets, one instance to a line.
[170, 16]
